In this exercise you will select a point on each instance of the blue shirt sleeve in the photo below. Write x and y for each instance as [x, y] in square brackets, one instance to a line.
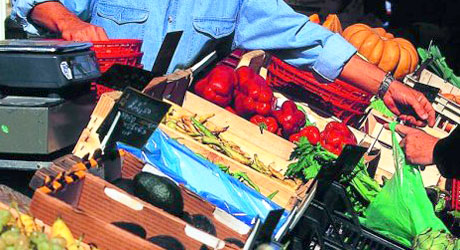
[22, 8]
[273, 25]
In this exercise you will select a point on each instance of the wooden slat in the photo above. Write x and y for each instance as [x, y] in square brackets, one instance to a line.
[95, 230]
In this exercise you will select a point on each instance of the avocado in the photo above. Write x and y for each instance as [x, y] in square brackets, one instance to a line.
[160, 192]
[132, 228]
[125, 184]
[167, 242]
[203, 223]
[235, 242]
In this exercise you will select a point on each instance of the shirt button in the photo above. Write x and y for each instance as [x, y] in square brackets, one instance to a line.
[170, 19]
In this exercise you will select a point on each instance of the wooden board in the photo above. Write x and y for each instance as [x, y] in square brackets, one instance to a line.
[267, 185]
[247, 134]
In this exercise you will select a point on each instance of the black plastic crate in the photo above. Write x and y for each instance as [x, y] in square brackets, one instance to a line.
[330, 223]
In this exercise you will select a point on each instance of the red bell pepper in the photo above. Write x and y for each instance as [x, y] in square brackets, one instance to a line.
[311, 132]
[217, 86]
[335, 136]
[268, 123]
[252, 95]
[290, 118]
[230, 109]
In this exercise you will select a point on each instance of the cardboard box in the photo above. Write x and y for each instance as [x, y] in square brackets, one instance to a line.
[448, 112]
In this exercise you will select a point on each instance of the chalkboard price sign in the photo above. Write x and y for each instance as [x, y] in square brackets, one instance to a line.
[133, 119]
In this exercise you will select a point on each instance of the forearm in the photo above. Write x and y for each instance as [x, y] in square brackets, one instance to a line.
[362, 74]
[52, 16]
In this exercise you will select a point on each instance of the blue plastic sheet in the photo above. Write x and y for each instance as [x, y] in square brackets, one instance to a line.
[204, 178]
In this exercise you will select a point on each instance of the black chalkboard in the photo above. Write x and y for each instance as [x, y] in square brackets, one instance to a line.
[133, 119]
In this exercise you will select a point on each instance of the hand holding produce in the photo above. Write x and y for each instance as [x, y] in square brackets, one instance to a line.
[400, 99]
[290, 118]
[252, 95]
[335, 136]
[217, 86]
[417, 145]
[268, 123]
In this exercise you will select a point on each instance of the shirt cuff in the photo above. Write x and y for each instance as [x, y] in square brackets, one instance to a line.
[335, 53]
[20, 14]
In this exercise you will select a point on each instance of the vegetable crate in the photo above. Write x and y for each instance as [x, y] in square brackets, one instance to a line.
[116, 51]
[330, 223]
[238, 130]
[447, 105]
[93, 197]
[338, 98]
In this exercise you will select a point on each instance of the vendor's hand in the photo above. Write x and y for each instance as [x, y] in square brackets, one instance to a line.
[417, 145]
[402, 95]
[77, 30]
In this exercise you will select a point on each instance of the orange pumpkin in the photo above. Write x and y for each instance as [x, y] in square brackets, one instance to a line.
[314, 18]
[396, 55]
[333, 24]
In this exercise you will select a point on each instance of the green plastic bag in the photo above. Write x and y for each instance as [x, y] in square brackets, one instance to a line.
[402, 209]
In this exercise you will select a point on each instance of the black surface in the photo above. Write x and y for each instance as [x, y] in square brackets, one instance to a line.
[17, 180]
[140, 115]
[119, 77]
[166, 53]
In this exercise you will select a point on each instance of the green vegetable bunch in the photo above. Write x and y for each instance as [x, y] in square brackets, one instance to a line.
[435, 240]
[439, 65]
[360, 187]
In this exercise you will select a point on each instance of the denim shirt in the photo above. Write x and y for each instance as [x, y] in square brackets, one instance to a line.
[249, 24]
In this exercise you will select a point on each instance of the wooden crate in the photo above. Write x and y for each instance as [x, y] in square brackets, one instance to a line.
[447, 112]
[239, 131]
[90, 196]
[226, 226]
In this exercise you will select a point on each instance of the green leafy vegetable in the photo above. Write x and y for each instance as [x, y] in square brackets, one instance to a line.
[439, 65]
[360, 187]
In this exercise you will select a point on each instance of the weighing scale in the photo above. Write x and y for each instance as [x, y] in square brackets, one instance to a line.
[45, 98]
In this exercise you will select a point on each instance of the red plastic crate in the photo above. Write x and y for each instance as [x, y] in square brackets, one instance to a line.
[117, 46]
[107, 60]
[344, 100]
[116, 51]
[340, 98]
[455, 194]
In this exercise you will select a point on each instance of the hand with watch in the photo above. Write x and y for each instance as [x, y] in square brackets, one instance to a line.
[400, 98]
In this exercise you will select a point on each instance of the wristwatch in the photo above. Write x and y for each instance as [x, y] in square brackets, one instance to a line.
[385, 85]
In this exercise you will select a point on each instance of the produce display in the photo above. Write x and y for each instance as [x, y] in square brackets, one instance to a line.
[20, 232]
[279, 163]
[252, 99]
[380, 48]
[201, 130]
[310, 157]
